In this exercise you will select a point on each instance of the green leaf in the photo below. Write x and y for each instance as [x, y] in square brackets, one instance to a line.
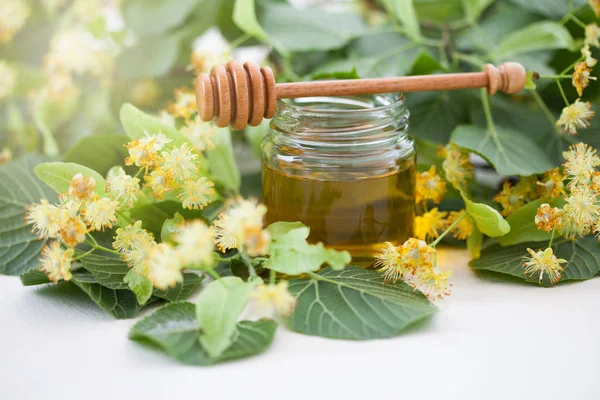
[548, 8]
[174, 329]
[406, 14]
[181, 291]
[139, 285]
[433, 116]
[138, 125]
[530, 83]
[488, 221]
[278, 229]
[509, 151]
[119, 303]
[149, 59]
[292, 255]
[217, 310]
[546, 35]
[296, 30]
[58, 176]
[377, 55]
[474, 242]
[170, 227]
[523, 227]
[99, 152]
[244, 16]
[426, 64]
[583, 256]
[352, 74]
[157, 16]
[19, 247]
[34, 277]
[474, 8]
[221, 161]
[355, 304]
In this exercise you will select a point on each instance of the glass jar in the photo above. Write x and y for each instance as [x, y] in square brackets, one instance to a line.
[345, 167]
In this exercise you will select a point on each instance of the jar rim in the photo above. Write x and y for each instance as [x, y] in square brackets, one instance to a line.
[387, 100]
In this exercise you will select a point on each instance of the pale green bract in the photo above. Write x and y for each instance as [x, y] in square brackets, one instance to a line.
[221, 161]
[291, 254]
[217, 310]
[488, 220]
[58, 176]
[278, 229]
[138, 125]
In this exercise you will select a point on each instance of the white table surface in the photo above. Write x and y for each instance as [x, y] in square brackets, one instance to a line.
[489, 340]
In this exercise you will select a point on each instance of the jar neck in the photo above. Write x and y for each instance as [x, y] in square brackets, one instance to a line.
[356, 124]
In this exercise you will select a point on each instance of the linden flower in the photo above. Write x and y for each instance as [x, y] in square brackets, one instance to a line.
[73, 231]
[200, 134]
[464, 228]
[256, 241]
[429, 186]
[123, 187]
[581, 77]
[144, 93]
[72, 50]
[576, 116]
[160, 182]
[387, 262]
[139, 252]
[581, 206]
[544, 262]
[144, 152]
[13, 15]
[166, 118]
[56, 262]
[184, 105]
[234, 224]
[196, 194]
[5, 156]
[595, 4]
[194, 243]
[46, 219]
[127, 238]
[592, 33]
[552, 184]
[416, 254]
[571, 228]
[164, 267]
[202, 60]
[457, 166]
[102, 213]
[580, 163]
[547, 218]
[81, 188]
[430, 225]
[180, 163]
[275, 298]
[587, 53]
[8, 79]
[433, 283]
[510, 198]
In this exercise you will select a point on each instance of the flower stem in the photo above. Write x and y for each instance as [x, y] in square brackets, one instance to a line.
[562, 93]
[552, 238]
[248, 261]
[137, 175]
[555, 76]
[84, 254]
[448, 230]
[95, 246]
[214, 274]
[239, 41]
[272, 275]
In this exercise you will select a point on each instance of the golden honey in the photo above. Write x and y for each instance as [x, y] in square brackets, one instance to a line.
[357, 215]
[345, 167]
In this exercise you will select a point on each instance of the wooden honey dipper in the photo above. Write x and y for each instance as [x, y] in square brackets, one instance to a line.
[239, 94]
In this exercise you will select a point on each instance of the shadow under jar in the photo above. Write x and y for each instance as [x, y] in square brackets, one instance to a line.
[345, 167]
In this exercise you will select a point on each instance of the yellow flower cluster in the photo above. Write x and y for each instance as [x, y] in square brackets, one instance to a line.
[166, 171]
[414, 263]
[544, 262]
[13, 15]
[80, 211]
[456, 165]
[202, 61]
[274, 299]
[163, 263]
[240, 226]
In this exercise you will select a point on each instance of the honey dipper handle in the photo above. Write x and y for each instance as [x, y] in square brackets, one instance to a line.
[510, 77]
